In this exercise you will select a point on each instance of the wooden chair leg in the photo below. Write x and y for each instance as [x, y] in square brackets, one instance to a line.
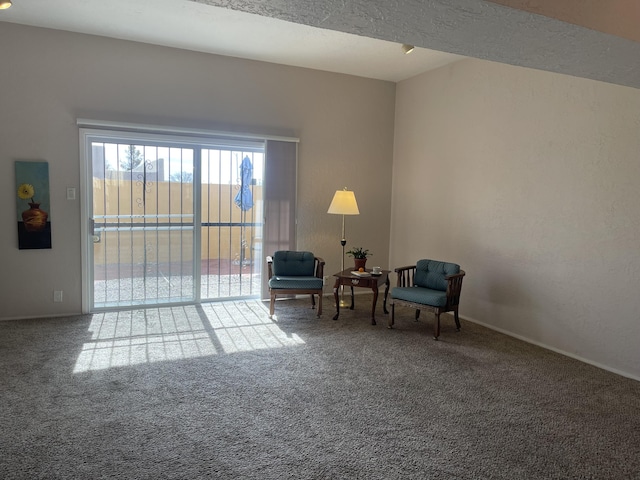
[436, 327]
[457, 319]
[272, 304]
[393, 316]
[417, 315]
[313, 301]
[319, 304]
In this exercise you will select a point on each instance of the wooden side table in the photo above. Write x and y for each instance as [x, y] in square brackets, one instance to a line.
[371, 281]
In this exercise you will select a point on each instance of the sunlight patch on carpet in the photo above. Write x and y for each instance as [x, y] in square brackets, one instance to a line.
[134, 337]
[245, 326]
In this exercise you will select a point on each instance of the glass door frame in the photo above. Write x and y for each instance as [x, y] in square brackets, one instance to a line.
[87, 136]
[189, 138]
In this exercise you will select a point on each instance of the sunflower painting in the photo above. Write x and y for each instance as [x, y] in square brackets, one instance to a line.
[33, 212]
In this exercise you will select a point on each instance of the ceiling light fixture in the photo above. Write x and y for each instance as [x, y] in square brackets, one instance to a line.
[4, 4]
[407, 48]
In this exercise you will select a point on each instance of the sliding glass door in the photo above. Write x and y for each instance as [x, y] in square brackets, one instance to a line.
[143, 223]
[172, 218]
[231, 216]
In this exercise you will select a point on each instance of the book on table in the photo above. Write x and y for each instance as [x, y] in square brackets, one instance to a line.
[361, 274]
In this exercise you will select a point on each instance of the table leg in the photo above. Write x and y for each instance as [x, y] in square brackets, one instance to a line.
[353, 304]
[386, 292]
[375, 300]
[336, 287]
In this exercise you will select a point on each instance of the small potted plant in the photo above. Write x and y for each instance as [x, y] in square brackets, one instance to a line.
[359, 255]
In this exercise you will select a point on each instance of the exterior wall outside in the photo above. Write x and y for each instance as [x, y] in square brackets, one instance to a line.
[528, 180]
[163, 199]
[344, 123]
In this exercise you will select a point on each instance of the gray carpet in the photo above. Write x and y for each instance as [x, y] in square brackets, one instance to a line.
[219, 391]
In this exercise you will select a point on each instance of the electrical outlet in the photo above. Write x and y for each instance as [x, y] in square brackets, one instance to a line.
[57, 296]
[325, 280]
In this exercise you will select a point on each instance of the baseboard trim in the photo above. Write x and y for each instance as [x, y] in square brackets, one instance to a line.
[38, 317]
[553, 349]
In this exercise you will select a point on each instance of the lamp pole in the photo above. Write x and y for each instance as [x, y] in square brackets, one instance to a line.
[343, 203]
[343, 242]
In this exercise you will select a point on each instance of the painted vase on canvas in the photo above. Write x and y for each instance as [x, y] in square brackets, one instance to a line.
[34, 219]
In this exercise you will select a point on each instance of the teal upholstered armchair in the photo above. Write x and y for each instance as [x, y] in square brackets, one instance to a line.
[429, 285]
[292, 272]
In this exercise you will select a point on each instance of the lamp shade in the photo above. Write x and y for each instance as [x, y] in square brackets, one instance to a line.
[344, 203]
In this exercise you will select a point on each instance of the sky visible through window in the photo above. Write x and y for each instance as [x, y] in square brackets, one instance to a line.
[219, 166]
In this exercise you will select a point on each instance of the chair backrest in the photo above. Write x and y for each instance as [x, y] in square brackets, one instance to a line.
[431, 274]
[288, 263]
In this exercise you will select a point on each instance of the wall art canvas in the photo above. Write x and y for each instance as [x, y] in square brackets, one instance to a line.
[33, 205]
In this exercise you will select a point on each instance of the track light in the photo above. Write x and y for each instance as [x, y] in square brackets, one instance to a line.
[4, 4]
[407, 48]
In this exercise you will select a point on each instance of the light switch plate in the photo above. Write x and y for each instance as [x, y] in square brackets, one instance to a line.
[71, 193]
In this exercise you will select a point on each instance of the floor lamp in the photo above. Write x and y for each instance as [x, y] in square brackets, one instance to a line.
[343, 203]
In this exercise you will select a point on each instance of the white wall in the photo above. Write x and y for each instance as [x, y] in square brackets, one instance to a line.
[50, 78]
[530, 181]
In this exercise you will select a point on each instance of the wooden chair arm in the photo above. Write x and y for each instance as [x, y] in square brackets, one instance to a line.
[269, 266]
[319, 267]
[454, 287]
[455, 275]
[399, 269]
[405, 275]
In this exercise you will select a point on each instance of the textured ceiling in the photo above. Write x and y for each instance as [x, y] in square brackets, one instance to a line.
[203, 28]
[474, 28]
[363, 37]
[617, 17]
